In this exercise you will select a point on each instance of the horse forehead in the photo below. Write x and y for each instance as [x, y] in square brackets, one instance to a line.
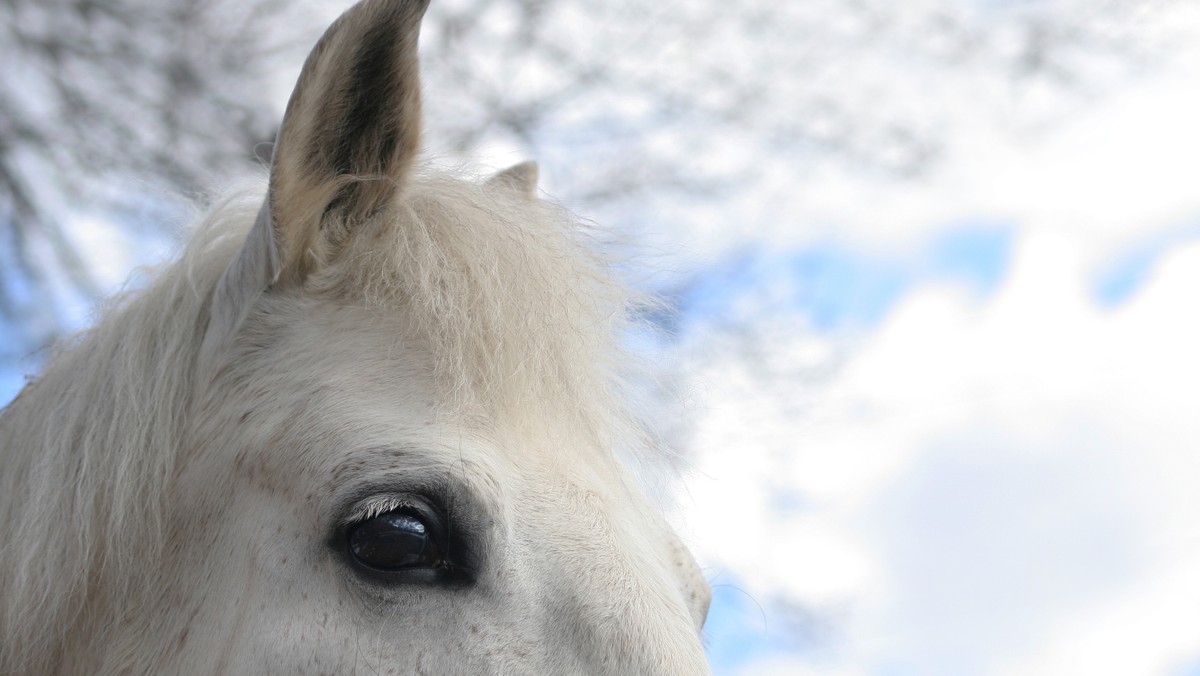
[363, 375]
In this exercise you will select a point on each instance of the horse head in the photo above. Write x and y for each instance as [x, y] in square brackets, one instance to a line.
[370, 422]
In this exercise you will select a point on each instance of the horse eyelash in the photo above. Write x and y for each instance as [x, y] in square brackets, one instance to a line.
[375, 506]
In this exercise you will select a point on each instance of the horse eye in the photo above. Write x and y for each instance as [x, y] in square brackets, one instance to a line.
[397, 540]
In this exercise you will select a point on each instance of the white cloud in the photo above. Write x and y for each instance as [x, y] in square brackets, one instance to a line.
[1001, 486]
[982, 487]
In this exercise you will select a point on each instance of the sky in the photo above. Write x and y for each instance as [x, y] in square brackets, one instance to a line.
[969, 449]
[939, 425]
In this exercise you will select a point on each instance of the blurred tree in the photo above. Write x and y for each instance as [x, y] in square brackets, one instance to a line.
[108, 104]
[677, 92]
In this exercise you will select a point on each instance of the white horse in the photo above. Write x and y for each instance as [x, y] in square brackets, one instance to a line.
[369, 426]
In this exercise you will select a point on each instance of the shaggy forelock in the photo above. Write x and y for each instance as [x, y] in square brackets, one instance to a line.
[514, 307]
[516, 311]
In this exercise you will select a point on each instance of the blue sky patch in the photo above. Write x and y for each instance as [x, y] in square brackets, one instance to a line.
[1191, 669]
[1127, 272]
[838, 287]
[740, 630]
[978, 256]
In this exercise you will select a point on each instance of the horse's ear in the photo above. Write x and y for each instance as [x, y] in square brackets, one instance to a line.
[351, 130]
[522, 177]
[344, 150]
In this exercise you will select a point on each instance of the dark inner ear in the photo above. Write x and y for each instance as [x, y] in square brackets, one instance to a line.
[364, 121]
[359, 133]
[350, 133]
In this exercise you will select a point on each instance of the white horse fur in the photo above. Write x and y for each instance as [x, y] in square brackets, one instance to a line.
[176, 487]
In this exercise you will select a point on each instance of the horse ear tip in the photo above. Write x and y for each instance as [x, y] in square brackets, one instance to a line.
[527, 173]
[522, 176]
[418, 6]
[528, 168]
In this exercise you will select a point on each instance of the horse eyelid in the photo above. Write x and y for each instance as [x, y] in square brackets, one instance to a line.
[375, 506]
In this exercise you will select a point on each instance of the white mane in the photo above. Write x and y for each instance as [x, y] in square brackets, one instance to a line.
[517, 313]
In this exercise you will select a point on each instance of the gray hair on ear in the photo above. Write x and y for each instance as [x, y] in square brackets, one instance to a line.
[345, 150]
[522, 177]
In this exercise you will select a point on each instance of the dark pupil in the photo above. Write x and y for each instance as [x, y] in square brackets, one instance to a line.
[393, 541]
